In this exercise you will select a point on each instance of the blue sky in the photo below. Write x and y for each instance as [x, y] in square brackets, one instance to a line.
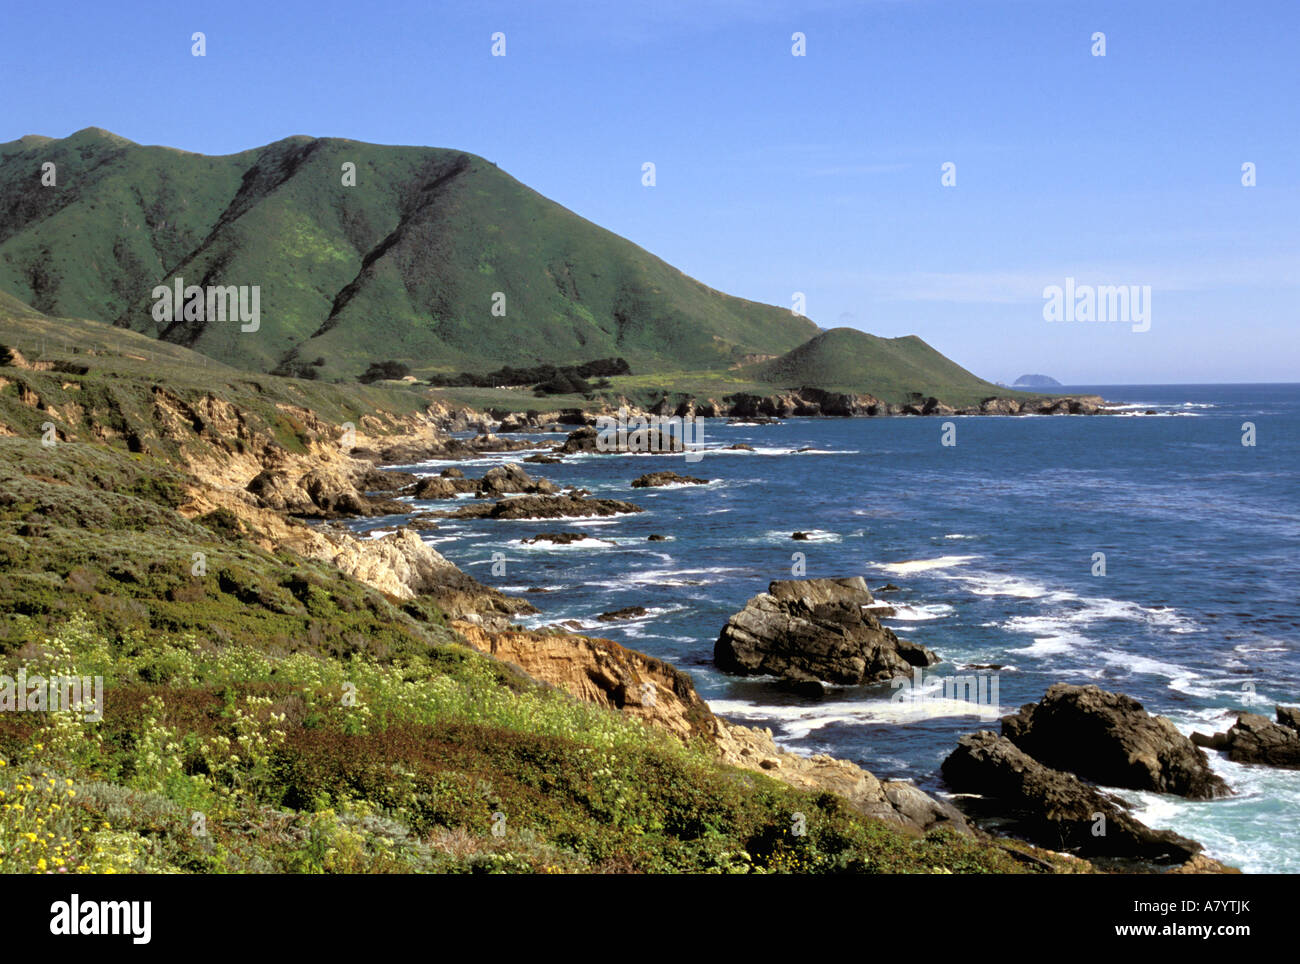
[776, 174]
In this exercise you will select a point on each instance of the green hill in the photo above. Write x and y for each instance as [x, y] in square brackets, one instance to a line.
[404, 265]
[892, 369]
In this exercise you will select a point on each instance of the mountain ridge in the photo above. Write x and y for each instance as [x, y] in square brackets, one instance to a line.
[430, 257]
[412, 256]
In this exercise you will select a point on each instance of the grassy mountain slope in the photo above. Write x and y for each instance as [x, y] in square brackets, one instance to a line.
[93, 377]
[846, 359]
[404, 265]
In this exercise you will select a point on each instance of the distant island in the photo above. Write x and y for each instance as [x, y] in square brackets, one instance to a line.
[1036, 381]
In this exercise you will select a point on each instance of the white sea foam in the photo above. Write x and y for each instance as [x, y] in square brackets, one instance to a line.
[991, 584]
[578, 520]
[1053, 645]
[545, 545]
[713, 484]
[775, 450]
[430, 467]
[814, 535]
[919, 613]
[667, 577]
[922, 565]
[1253, 830]
[798, 722]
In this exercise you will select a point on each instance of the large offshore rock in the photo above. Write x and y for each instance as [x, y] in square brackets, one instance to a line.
[1056, 809]
[1257, 739]
[815, 629]
[1110, 739]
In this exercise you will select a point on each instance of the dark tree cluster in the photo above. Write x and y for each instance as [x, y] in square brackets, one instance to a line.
[544, 379]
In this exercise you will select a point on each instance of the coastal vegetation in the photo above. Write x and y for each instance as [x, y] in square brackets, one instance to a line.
[266, 711]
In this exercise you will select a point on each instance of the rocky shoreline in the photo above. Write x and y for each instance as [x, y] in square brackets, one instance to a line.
[808, 632]
[799, 403]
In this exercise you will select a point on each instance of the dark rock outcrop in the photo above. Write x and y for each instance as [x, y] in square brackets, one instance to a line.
[649, 441]
[542, 507]
[815, 629]
[499, 480]
[1257, 739]
[627, 612]
[408, 453]
[1056, 809]
[557, 538]
[666, 478]
[440, 487]
[1289, 716]
[511, 478]
[1110, 739]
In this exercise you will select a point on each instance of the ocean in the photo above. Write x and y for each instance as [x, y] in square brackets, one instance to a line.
[993, 544]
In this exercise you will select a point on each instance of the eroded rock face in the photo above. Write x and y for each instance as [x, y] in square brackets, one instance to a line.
[418, 569]
[333, 492]
[326, 492]
[1056, 809]
[815, 629]
[999, 406]
[849, 589]
[1110, 739]
[895, 802]
[1256, 739]
[603, 672]
[277, 490]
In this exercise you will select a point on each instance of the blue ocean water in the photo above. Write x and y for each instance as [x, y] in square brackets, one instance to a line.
[992, 544]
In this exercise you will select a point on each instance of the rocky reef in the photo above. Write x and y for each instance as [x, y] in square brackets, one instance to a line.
[813, 631]
[1258, 740]
[1045, 770]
